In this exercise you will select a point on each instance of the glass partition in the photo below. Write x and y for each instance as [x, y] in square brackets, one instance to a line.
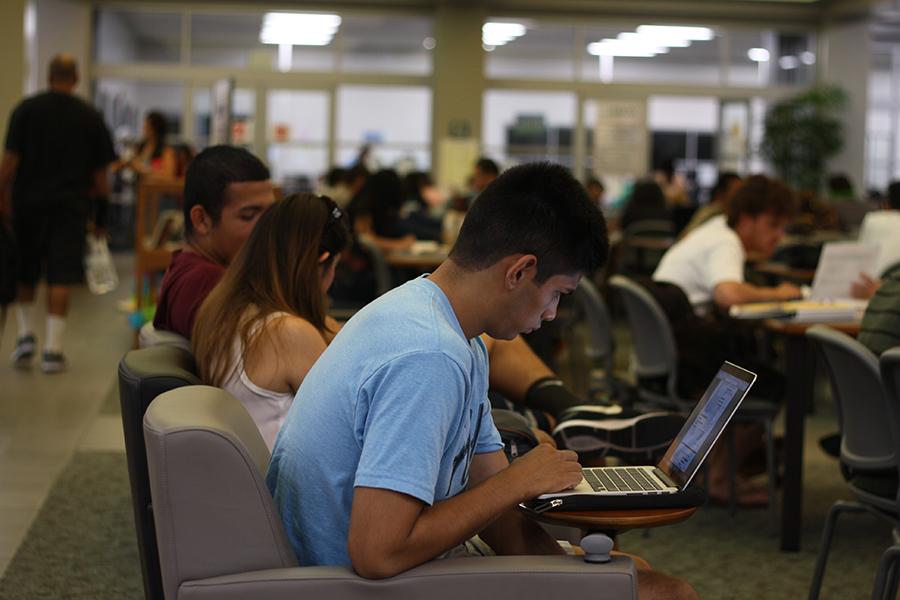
[131, 36]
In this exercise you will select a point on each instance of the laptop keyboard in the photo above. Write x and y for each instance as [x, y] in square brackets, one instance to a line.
[620, 479]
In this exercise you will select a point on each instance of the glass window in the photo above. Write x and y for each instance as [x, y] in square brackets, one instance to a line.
[542, 52]
[243, 116]
[393, 121]
[129, 36]
[297, 134]
[652, 54]
[525, 126]
[763, 58]
[125, 102]
[234, 41]
[387, 44]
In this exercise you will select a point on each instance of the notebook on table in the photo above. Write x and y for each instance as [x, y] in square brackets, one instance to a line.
[685, 454]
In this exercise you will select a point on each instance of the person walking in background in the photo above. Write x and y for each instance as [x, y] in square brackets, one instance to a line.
[56, 156]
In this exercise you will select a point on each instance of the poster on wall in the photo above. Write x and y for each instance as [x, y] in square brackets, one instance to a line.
[734, 136]
[620, 138]
[220, 130]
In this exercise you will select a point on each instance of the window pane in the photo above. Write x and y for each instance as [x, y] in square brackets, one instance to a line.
[525, 126]
[395, 121]
[233, 40]
[297, 133]
[128, 36]
[762, 58]
[544, 52]
[243, 114]
[387, 44]
[124, 104]
[698, 62]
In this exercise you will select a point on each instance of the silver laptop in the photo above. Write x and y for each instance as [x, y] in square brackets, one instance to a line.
[686, 452]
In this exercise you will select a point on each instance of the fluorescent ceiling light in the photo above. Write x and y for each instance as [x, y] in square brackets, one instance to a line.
[299, 29]
[495, 33]
[662, 32]
[611, 47]
[630, 36]
[758, 54]
[788, 62]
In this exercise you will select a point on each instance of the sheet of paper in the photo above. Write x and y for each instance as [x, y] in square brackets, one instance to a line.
[840, 265]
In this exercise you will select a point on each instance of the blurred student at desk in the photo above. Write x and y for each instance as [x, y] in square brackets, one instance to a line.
[708, 264]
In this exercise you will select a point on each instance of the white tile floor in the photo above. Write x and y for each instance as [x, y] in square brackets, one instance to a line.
[45, 418]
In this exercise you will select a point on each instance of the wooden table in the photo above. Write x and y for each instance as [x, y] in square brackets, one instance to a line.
[800, 362]
[614, 522]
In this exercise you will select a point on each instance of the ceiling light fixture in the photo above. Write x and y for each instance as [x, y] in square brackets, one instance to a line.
[495, 33]
[788, 62]
[758, 54]
[808, 58]
[299, 29]
[626, 48]
[661, 33]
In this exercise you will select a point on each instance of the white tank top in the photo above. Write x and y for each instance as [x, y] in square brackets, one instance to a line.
[267, 408]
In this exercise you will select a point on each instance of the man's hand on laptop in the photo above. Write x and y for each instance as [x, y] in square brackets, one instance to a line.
[544, 470]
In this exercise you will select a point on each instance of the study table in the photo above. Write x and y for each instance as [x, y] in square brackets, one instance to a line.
[614, 522]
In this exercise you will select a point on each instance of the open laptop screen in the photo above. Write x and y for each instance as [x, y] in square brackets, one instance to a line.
[706, 423]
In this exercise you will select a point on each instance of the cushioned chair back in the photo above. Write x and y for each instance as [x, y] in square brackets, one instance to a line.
[890, 378]
[867, 440]
[600, 342]
[655, 353]
[143, 375]
[214, 514]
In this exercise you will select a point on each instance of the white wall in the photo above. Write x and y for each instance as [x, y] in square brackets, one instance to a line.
[62, 26]
[502, 107]
[847, 64]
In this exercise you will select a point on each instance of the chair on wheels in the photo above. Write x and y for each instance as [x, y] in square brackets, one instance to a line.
[220, 536]
[655, 358]
[143, 375]
[868, 408]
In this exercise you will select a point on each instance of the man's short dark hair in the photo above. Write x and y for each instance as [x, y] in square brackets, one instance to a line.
[486, 165]
[759, 194]
[63, 68]
[540, 209]
[211, 172]
[723, 182]
[893, 195]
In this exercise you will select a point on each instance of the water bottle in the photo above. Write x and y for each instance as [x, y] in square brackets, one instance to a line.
[98, 267]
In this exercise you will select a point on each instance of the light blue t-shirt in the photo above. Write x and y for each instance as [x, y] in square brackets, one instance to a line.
[397, 401]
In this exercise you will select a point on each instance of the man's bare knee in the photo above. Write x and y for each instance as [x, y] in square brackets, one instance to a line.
[653, 585]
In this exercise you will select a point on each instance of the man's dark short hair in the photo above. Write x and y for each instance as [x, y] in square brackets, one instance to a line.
[593, 181]
[759, 194]
[724, 181]
[63, 67]
[211, 172]
[486, 165]
[540, 209]
[893, 195]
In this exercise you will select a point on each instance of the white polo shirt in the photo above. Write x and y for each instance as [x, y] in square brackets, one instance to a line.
[709, 255]
[882, 227]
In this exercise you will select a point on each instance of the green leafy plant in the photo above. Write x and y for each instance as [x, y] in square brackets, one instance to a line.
[802, 133]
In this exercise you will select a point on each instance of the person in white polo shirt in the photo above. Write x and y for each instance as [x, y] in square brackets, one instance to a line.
[708, 264]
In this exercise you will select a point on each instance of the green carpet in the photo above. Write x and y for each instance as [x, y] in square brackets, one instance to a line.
[82, 543]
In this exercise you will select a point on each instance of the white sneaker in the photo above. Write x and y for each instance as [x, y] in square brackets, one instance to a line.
[53, 362]
[24, 352]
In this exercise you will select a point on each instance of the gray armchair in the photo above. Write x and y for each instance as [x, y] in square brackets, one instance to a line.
[220, 536]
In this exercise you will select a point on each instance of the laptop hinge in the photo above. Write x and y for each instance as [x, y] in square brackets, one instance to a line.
[664, 477]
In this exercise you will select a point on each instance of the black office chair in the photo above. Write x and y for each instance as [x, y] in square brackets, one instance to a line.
[143, 375]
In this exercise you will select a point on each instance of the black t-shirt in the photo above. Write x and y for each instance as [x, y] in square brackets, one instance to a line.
[61, 142]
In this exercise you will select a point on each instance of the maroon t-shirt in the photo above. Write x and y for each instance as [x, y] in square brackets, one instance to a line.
[188, 280]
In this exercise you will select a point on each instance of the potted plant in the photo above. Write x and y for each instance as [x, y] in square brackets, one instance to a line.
[802, 132]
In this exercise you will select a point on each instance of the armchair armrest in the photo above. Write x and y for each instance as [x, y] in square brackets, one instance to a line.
[496, 577]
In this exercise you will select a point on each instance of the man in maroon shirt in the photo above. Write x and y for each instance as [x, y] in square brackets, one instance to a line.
[226, 189]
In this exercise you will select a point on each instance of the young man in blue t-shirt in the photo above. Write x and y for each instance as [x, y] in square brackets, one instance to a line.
[388, 457]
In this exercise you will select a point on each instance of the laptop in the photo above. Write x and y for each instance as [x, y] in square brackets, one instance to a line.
[685, 454]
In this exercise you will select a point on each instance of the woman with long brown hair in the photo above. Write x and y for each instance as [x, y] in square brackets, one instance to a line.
[264, 325]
